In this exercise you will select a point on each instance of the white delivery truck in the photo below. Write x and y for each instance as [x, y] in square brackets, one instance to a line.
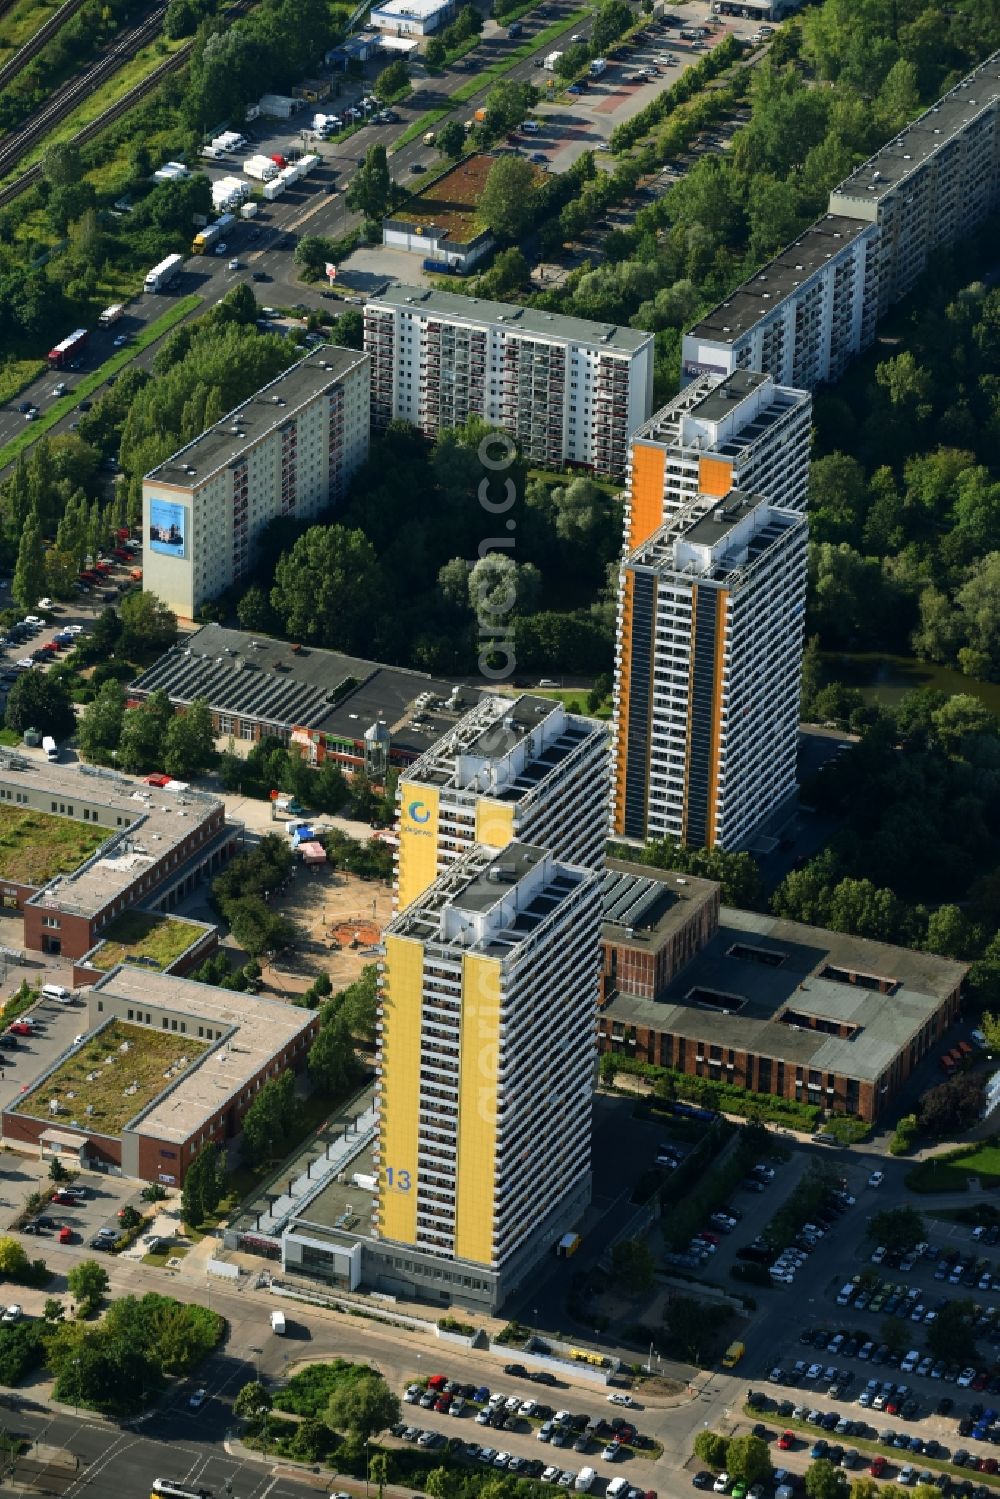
[551, 61]
[598, 66]
[261, 168]
[50, 747]
[278, 1323]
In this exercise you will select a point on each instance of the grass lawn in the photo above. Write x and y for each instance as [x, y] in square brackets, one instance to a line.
[15, 374]
[160, 1257]
[951, 1172]
[115, 1084]
[35, 845]
[22, 21]
[93, 381]
[308, 1391]
[131, 73]
[140, 934]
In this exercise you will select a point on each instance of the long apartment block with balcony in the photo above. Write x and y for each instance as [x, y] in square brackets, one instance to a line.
[567, 389]
[742, 431]
[511, 769]
[802, 317]
[711, 612]
[810, 310]
[932, 183]
[486, 1048]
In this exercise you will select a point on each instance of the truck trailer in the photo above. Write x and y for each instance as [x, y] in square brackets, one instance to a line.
[111, 314]
[66, 351]
[160, 277]
[261, 168]
[551, 61]
[211, 234]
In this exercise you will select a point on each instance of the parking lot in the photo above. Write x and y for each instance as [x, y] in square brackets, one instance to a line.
[52, 1032]
[518, 1432]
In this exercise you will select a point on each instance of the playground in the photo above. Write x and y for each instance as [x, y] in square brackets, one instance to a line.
[338, 920]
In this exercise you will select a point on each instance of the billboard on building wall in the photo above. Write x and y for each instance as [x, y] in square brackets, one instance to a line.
[168, 528]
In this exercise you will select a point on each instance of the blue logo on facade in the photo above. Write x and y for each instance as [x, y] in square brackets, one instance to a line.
[419, 812]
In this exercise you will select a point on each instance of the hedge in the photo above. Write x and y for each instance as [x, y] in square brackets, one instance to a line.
[724, 1096]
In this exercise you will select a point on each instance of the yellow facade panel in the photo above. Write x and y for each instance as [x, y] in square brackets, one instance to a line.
[418, 840]
[479, 1049]
[494, 823]
[401, 1007]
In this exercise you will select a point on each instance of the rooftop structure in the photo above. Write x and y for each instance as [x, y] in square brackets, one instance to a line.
[474, 310]
[511, 768]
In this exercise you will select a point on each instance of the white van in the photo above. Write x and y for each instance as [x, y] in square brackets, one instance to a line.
[617, 1487]
[58, 993]
[278, 1323]
[846, 1292]
[530, 127]
[585, 1480]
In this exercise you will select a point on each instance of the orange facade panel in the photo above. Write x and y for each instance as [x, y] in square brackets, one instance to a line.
[715, 476]
[646, 493]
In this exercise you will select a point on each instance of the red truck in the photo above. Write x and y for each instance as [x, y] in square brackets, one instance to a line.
[65, 352]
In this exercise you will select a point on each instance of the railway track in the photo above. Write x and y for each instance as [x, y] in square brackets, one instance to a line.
[71, 94]
[35, 43]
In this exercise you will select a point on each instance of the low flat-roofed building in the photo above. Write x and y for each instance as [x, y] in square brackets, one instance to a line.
[344, 708]
[778, 1007]
[238, 1042]
[159, 842]
[654, 922]
[411, 17]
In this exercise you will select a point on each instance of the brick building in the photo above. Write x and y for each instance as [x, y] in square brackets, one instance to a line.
[333, 707]
[243, 1041]
[769, 1005]
[160, 842]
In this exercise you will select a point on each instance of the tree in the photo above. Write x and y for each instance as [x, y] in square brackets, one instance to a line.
[13, 1260]
[440, 1483]
[148, 626]
[378, 1471]
[711, 1448]
[899, 1229]
[40, 701]
[333, 1065]
[29, 573]
[393, 80]
[87, 1283]
[252, 1402]
[358, 1004]
[362, 1407]
[57, 1171]
[53, 1310]
[144, 733]
[508, 200]
[99, 728]
[435, 52]
[824, 1481]
[327, 589]
[190, 741]
[268, 1119]
[952, 1106]
[632, 1266]
[747, 1457]
[951, 1336]
[129, 1218]
[895, 1334]
[451, 139]
[372, 189]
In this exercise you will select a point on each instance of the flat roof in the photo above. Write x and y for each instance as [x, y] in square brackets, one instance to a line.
[779, 278]
[254, 1030]
[418, 8]
[705, 523]
[267, 410]
[718, 402]
[158, 820]
[506, 896]
[644, 908]
[929, 133]
[258, 677]
[446, 304]
[761, 982]
[523, 741]
[710, 399]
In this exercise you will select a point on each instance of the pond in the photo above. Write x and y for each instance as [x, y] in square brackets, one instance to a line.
[886, 679]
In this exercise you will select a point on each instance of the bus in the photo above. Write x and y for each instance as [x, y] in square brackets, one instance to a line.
[166, 1488]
